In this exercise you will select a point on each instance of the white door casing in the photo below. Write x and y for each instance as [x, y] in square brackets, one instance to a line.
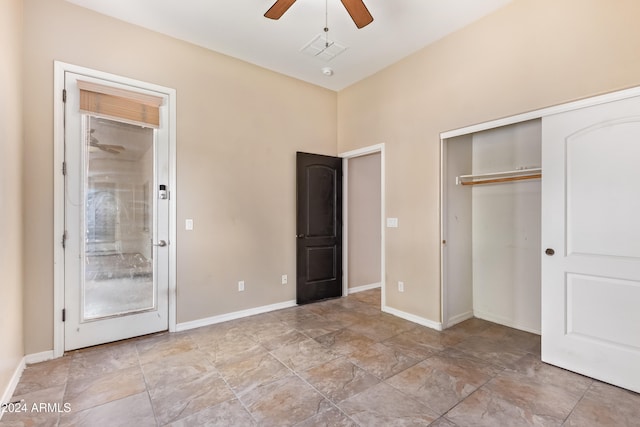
[163, 316]
[591, 220]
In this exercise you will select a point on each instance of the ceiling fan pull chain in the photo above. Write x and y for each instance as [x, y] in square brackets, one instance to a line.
[326, 23]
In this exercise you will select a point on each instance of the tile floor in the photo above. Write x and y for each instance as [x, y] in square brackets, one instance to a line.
[335, 363]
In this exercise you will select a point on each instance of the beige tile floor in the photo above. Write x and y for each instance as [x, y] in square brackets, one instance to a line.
[335, 363]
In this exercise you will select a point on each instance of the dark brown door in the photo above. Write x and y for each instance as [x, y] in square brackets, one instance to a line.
[319, 227]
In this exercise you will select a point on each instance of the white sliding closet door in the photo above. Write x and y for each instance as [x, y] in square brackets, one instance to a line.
[591, 233]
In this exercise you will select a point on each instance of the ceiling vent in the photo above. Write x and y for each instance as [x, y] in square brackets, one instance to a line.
[322, 48]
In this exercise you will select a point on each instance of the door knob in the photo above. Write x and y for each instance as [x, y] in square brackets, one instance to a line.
[161, 243]
[549, 251]
[300, 236]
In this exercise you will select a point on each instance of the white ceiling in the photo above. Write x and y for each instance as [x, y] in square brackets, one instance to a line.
[238, 28]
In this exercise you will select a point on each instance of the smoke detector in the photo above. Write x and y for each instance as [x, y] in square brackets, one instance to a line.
[327, 71]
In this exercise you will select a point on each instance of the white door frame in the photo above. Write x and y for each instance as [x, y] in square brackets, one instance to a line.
[378, 148]
[536, 114]
[58, 191]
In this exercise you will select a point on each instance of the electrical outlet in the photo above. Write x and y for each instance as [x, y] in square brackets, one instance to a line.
[188, 224]
[400, 286]
[284, 279]
[241, 286]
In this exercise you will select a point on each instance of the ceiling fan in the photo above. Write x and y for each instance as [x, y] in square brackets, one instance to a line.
[109, 148]
[356, 8]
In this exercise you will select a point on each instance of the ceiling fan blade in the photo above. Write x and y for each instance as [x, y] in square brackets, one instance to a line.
[278, 9]
[108, 150]
[113, 147]
[359, 12]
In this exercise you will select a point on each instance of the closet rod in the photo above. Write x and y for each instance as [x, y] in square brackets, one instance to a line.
[496, 177]
[498, 180]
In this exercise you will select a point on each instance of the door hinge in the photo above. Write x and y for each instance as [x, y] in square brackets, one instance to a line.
[64, 314]
[64, 168]
[64, 240]
[64, 95]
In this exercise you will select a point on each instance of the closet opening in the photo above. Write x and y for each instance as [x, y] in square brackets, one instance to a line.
[491, 226]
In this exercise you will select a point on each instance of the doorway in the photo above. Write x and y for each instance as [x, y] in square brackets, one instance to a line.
[364, 212]
[590, 269]
[371, 265]
[491, 226]
[115, 267]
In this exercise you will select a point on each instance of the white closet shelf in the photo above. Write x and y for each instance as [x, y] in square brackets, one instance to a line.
[498, 177]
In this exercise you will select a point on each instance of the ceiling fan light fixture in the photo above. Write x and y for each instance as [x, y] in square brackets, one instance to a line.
[327, 71]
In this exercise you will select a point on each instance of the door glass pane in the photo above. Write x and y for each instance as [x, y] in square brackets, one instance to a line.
[118, 219]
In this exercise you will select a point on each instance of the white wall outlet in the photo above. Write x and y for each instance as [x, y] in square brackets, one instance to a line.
[188, 224]
[400, 286]
[241, 286]
[285, 279]
[392, 222]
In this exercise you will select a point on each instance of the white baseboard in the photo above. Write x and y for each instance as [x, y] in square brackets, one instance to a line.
[39, 357]
[413, 318]
[505, 322]
[364, 288]
[13, 383]
[15, 378]
[458, 318]
[233, 316]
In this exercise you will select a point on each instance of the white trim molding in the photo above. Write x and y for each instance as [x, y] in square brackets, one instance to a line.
[346, 156]
[185, 326]
[60, 68]
[504, 321]
[39, 357]
[413, 318]
[17, 373]
[13, 383]
[363, 288]
[544, 112]
[458, 318]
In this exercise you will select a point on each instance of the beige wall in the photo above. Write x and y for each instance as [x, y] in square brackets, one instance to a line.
[11, 343]
[238, 129]
[528, 55]
[364, 241]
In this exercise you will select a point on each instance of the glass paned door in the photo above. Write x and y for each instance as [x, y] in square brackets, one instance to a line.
[116, 222]
[117, 253]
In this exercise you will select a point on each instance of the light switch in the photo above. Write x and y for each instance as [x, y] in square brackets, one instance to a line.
[188, 224]
[392, 222]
